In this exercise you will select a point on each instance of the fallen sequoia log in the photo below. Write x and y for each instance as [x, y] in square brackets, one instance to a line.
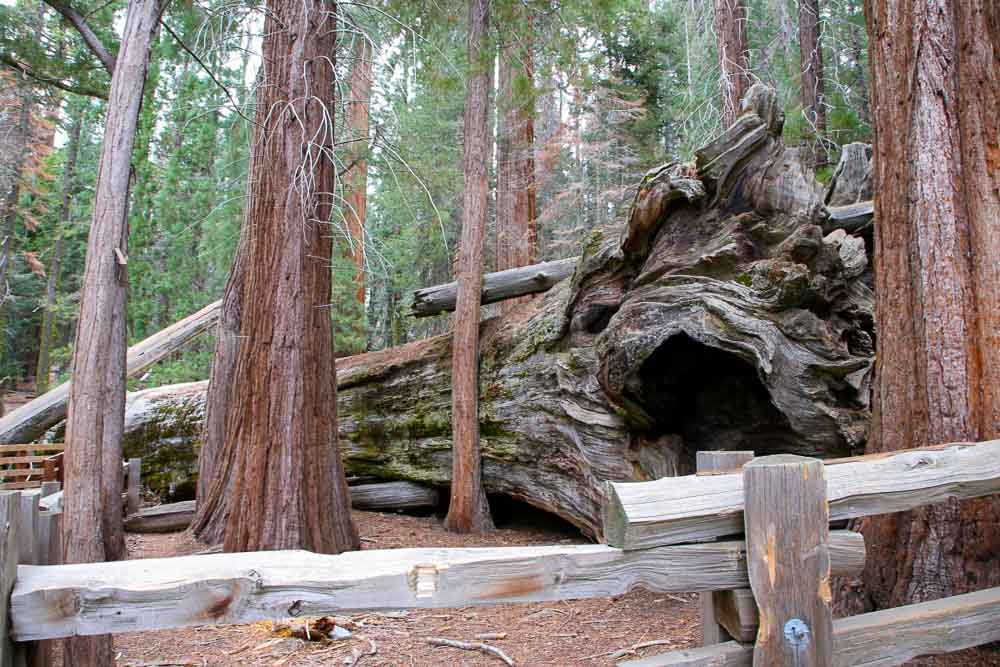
[30, 420]
[379, 497]
[719, 316]
[496, 286]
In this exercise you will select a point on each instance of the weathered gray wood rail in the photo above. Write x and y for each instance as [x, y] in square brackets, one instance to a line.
[126, 596]
[496, 286]
[698, 507]
[28, 421]
[877, 639]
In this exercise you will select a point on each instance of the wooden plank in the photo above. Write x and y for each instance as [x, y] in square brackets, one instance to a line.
[22, 472]
[34, 447]
[496, 286]
[126, 596]
[10, 510]
[736, 611]
[686, 509]
[11, 460]
[26, 519]
[878, 639]
[28, 421]
[48, 551]
[132, 485]
[787, 521]
[49, 488]
[15, 486]
[712, 632]
[166, 518]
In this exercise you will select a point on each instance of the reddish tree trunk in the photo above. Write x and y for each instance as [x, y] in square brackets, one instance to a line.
[935, 95]
[356, 178]
[813, 92]
[734, 56]
[96, 416]
[517, 235]
[468, 511]
[289, 482]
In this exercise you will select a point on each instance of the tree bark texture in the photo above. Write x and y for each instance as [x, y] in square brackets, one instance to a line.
[734, 56]
[289, 482]
[813, 86]
[516, 228]
[935, 95]
[718, 316]
[96, 413]
[44, 366]
[356, 178]
[467, 510]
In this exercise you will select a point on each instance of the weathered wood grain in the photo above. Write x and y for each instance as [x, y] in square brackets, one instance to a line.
[787, 521]
[850, 217]
[685, 509]
[26, 529]
[34, 447]
[736, 612]
[879, 639]
[167, 518]
[30, 420]
[497, 286]
[713, 631]
[10, 509]
[125, 596]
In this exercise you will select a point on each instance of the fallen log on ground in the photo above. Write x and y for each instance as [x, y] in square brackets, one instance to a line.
[234, 588]
[380, 497]
[29, 421]
[719, 316]
[496, 286]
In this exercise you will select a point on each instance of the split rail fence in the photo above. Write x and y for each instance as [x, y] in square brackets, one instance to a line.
[660, 537]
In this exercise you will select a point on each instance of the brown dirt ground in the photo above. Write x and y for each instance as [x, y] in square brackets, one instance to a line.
[581, 632]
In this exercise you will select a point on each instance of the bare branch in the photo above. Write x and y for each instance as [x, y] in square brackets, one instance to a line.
[90, 38]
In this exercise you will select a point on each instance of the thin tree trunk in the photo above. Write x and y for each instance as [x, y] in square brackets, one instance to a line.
[356, 179]
[44, 366]
[813, 90]
[289, 481]
[734, 56]
[92, 501]
[935, 95]
[517, 235]
[468, 510]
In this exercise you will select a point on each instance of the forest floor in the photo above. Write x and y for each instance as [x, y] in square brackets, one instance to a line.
[587, 633]
[583, 632]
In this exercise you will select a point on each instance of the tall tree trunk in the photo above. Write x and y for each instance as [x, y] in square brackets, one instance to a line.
[935, 95]
[734, 56]
[356, 179]
[216, 475]
[813, 93]
[468, 510]
[9, 214]
[44, 366]
[290, 485]
[93, 531]
[517, 234]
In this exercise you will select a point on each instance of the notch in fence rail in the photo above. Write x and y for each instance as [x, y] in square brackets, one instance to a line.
[786, 519]
[713, 628]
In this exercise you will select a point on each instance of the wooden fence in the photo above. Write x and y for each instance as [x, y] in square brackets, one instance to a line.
[657, 534]
[27, 466]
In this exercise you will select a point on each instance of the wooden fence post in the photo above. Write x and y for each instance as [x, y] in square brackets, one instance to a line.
[10, 510]
[712, 629]
[27, 517]
[132, 488]
[787, 530]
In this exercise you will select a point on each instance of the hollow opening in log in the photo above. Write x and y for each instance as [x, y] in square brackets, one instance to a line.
[703, 398]
[510, 513]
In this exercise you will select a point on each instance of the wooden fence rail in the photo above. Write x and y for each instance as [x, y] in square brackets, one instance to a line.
[697, 507]
[782, 503]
